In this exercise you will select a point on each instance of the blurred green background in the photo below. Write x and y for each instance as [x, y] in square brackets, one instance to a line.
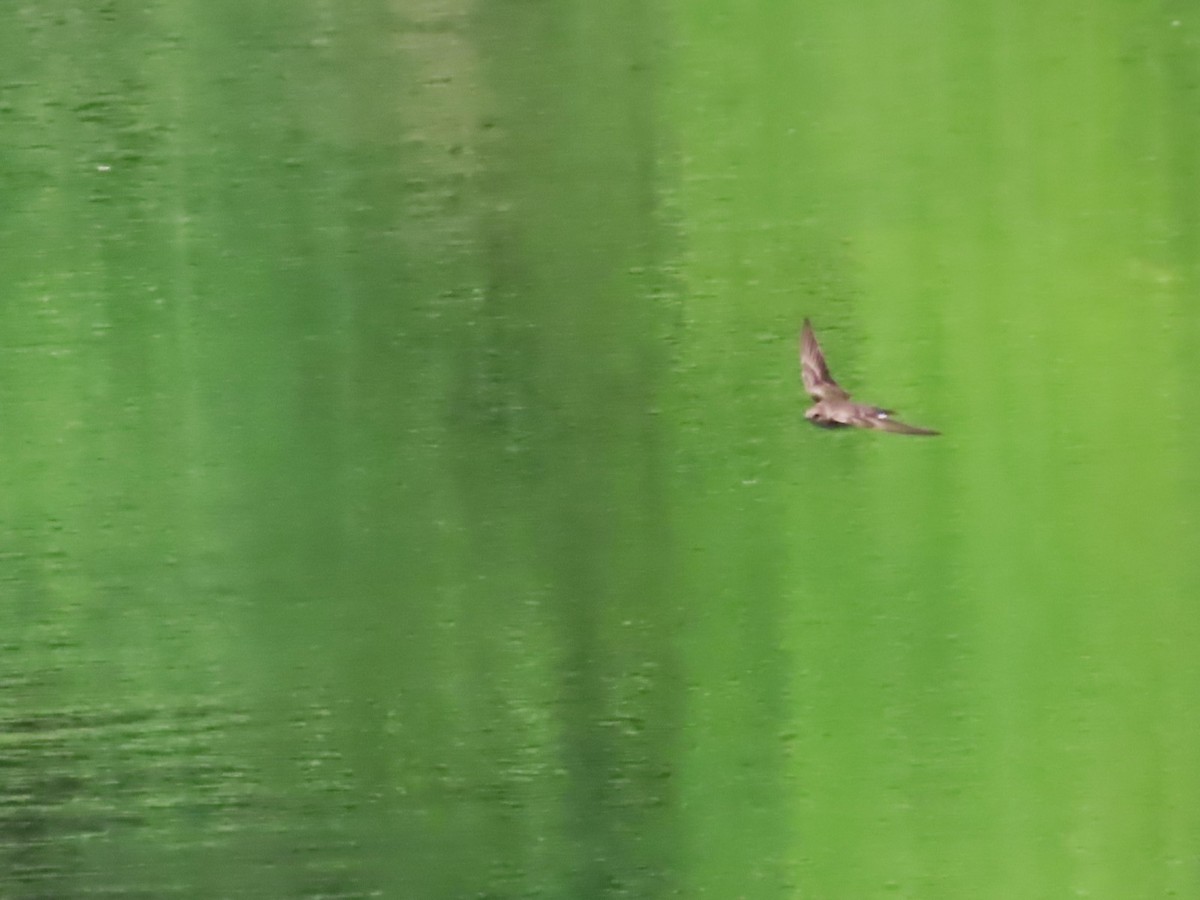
[404, 486]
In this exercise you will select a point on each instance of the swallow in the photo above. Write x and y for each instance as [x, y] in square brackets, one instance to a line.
[833, 407]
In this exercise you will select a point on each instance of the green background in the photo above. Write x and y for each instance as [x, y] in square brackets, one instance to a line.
[403, 483]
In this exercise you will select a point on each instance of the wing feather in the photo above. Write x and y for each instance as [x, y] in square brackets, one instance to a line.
[885, 423]
[817, 381]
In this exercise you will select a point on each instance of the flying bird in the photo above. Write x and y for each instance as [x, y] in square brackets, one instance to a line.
[833, 407]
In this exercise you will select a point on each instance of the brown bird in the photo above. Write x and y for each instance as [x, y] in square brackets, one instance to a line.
[833, 407]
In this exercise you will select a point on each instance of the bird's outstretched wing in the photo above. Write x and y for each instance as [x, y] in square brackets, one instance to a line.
[817, 381]
[887, 423]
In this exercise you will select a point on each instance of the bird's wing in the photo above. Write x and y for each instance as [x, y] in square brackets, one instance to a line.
[885, 422]
[817, 381]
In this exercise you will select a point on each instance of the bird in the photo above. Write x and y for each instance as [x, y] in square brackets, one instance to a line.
[833, 407]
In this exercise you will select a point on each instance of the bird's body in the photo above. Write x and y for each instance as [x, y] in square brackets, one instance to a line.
[833, 407]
